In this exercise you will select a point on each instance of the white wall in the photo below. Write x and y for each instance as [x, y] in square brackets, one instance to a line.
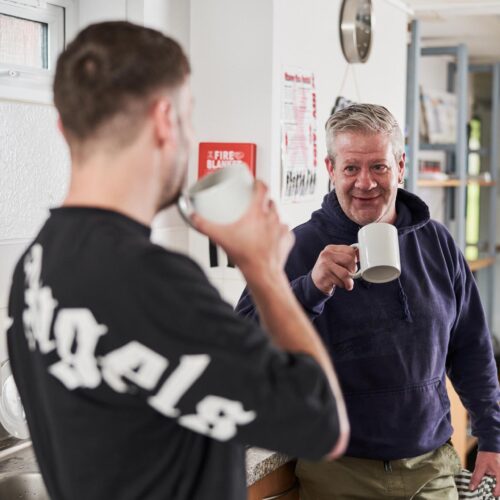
[231, 50]
[93, 11]
[169, 16]
[33, 177]
[239, 50]
[34, 173]
[306, 36]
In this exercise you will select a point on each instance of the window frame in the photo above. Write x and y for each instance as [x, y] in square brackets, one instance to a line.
[22, 83]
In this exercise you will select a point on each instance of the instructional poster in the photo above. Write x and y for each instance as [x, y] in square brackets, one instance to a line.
[299, 149]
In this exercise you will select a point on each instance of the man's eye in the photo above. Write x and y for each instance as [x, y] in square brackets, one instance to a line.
[380, 168]
[350, 169]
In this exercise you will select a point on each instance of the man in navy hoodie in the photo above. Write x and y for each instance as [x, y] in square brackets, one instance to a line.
[393, 344]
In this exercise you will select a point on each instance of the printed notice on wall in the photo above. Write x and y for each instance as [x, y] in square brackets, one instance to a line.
[299, 152]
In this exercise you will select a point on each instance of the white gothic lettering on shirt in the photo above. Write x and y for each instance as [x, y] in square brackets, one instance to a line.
[37, 317]
[79, 369]
[189, 370]
[76, 334]
[136, 362]
[217, 417]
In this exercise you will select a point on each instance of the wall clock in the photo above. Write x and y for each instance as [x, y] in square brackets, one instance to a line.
[356, 29]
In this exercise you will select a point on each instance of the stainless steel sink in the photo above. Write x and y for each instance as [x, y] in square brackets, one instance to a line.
[23, 487]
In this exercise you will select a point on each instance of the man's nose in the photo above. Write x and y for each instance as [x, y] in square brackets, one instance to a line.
[364, 180]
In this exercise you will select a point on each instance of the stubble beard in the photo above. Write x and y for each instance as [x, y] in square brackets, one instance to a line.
[173, 186]
[389, 205]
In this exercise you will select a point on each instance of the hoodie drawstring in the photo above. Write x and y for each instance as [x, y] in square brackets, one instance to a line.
[404, 303]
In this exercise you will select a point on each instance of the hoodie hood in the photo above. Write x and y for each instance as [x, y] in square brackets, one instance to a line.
[412, 214]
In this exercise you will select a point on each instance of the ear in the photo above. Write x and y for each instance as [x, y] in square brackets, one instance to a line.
[331, 169]
[401, 168]
[60, 126]
[163, 115]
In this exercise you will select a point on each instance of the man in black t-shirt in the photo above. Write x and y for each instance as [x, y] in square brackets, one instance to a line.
[138, 380]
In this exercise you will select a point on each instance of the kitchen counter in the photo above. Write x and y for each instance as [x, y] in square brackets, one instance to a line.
[17, 460]
[21, 458]
[262, 462]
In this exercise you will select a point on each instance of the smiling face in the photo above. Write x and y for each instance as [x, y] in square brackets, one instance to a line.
[366, 176]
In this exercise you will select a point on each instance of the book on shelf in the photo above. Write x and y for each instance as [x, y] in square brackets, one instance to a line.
[439, 112]
[436, 176]
[431, 169]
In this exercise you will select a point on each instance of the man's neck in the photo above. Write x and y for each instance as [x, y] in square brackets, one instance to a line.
[120, 184]
[390, 217]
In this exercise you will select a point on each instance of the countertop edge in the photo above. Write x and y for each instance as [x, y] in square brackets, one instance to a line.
[260, 463]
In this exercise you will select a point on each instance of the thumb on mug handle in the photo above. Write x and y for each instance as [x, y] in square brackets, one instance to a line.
[357, 274]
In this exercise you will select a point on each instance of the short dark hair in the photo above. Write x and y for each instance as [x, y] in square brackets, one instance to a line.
[112, 69]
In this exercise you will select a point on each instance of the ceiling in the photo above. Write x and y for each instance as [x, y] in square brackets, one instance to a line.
[450, 22]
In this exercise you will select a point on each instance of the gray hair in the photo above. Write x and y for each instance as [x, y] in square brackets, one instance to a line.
[365, 119]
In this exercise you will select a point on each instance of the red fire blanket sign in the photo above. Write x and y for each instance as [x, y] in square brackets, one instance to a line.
[215, 155]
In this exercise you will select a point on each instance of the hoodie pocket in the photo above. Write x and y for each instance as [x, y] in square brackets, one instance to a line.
[399, 420]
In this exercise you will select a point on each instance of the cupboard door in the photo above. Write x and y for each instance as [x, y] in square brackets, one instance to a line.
[279, 485]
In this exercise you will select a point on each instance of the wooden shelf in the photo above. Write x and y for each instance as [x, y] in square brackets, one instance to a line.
[474, 182]
[451, 148]
[426, 146]
[438, 183]
[453, 183]
[475, 265]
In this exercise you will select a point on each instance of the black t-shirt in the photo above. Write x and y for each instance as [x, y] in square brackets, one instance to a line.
[138, 380]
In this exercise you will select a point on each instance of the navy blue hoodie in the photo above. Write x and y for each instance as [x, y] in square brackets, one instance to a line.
[393, 344]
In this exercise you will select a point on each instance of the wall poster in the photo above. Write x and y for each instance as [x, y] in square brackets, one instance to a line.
[299, 148]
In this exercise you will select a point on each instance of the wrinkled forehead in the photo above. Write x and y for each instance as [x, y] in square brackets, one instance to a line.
[358, 145]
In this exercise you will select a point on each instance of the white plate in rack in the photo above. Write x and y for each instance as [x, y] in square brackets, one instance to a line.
[12, 416]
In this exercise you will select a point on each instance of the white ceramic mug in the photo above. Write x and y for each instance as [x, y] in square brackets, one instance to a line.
[378, 248]
[222, 196]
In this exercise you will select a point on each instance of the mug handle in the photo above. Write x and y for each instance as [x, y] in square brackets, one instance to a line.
[185, 209]
[357, 274]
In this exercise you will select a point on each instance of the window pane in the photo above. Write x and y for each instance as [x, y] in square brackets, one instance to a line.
[23, 42]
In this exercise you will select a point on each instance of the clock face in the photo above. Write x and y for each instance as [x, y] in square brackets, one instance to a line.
[356, 29]
[364, 29]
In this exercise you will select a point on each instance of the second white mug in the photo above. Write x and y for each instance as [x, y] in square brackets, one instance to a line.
[222, 196]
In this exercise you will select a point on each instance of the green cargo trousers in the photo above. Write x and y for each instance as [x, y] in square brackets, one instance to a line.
[426, 477]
